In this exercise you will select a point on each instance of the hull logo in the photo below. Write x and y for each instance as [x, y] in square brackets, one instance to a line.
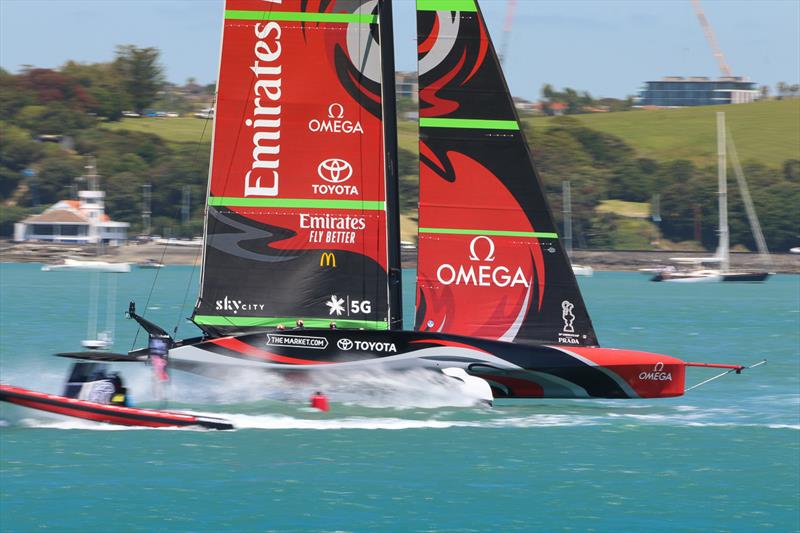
[657, 374]
[327, 259]
[295, 341]
[366, 346]
[345, 344]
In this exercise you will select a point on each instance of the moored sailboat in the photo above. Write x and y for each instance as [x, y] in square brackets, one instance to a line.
[699, 270]
[302, 225]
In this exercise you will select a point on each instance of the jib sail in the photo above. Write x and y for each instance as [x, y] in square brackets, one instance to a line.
[490, 262]
[296, 215]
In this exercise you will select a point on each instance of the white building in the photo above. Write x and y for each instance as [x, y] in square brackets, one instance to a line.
[81, 221]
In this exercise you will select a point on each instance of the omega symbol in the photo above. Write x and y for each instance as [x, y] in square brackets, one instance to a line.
[473, 256]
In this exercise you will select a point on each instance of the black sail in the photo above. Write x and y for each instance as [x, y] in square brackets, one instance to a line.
[490, 262]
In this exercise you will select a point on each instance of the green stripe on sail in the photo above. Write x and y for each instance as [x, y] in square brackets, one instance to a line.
[473, 123]
[446, 5]
[271, 322]
[299, 203]
[500, 233]
[296, 16]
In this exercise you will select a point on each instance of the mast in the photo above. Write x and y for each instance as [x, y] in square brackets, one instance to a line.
[567, 215]
[389, 101]
[723, 251]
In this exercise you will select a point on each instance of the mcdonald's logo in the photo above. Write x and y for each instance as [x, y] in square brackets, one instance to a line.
[327, 259]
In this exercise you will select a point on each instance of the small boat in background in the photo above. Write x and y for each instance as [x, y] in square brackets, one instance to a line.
[150, 263]
[691, 271]
[78, 264]
[582, 270]
[196, 242]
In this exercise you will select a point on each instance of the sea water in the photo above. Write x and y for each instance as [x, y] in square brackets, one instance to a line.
[411, 456]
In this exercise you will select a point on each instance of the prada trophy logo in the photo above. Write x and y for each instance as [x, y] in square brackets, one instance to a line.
[567, 334]
[566, 314]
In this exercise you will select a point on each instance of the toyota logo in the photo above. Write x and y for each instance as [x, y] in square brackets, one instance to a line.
[335, 170]
[344, 344]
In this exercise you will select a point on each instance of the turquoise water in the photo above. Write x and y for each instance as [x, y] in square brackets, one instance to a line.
[726, 457]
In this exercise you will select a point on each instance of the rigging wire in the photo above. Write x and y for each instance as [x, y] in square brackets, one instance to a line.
[185, 295]
[149, 295]
[164, 253]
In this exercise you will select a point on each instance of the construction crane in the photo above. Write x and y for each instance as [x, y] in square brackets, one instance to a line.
[511, 6]
[711, 38]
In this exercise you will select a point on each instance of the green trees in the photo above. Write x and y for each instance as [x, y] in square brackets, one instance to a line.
[140, 74]
[602, 167]
[575, 103]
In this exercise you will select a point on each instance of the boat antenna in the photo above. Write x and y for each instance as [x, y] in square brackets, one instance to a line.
[389, 101]
[737, 369]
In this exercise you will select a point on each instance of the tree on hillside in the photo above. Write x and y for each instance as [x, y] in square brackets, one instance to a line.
[56, 176]
[142, 76]
[17, 151]
[100, 80]
[50, 86]
[12, 95]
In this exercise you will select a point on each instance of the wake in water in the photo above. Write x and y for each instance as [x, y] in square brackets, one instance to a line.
[378, 401]
[408, 390]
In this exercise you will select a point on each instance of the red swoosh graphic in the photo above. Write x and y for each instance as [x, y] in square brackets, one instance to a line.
[242, 347]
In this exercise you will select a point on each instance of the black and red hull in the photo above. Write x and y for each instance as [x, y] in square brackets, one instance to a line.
[109, 414]
[750, 277]
[514, 370]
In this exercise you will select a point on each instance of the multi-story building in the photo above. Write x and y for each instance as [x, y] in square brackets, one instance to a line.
[676, 91]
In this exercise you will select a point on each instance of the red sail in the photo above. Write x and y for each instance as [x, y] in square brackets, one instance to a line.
[296, 224]
[490, 263]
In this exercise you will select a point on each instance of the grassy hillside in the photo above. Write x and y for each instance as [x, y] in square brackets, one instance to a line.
[767, 132]
[182, 130]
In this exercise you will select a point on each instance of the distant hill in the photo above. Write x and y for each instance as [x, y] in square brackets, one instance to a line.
[180, 130]
[766, 132]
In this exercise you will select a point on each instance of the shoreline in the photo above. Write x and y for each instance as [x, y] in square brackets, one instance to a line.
[599, 260]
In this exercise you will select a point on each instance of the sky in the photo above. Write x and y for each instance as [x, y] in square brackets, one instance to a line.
[606, 47]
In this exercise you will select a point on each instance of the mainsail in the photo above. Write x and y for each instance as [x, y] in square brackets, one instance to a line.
[490, 262]
[296, 222]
